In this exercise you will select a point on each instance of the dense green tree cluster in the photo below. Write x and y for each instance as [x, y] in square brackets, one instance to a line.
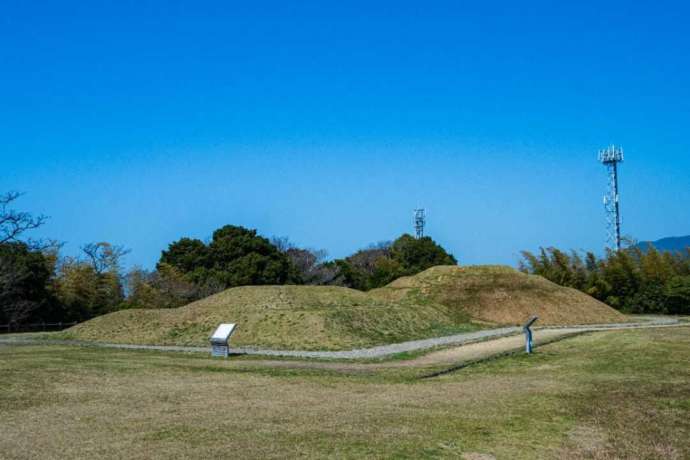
[379, 265]
[37, 285]
[633, 280]
[25, 277]
[235, 256]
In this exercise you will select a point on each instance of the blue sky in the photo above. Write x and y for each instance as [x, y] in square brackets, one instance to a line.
[141, 122]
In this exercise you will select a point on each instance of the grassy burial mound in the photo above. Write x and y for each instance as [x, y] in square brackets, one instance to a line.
[439, 301]
[285, 317]
[499, 295]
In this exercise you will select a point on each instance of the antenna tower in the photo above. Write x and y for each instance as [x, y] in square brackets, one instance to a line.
[419, 222]
[610, 157]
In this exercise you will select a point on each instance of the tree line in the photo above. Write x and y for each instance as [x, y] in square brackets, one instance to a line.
[39, 284]
[633, 280]
[190, 269]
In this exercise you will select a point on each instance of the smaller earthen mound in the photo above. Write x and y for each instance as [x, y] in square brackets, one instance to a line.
[500, 295]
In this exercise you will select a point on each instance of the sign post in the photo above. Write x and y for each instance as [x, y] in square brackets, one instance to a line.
[528, 333]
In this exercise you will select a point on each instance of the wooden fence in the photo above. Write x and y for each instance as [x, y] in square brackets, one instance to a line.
[34, 327]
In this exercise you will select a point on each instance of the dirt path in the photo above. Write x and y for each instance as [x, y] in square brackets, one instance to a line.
[468, 348]
[451, 357]
[448, 359]
[363, 353]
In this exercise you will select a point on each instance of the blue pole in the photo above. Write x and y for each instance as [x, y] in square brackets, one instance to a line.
[528, 340]
[528, 333]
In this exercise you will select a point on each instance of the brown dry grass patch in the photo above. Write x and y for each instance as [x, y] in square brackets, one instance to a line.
[594, 396]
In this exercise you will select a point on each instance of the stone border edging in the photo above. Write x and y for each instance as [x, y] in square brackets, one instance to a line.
[362, 353]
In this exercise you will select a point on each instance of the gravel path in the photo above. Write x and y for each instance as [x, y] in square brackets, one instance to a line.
[363, 353]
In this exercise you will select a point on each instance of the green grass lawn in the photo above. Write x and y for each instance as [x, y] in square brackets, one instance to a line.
[622, 394]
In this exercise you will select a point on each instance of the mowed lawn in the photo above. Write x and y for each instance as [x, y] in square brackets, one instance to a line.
[622, 394]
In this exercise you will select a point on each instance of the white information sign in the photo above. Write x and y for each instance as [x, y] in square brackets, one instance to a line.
[219, 339]
[223, 332]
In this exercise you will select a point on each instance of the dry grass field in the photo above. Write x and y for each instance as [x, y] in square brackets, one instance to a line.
[618, 394]
[440, 301]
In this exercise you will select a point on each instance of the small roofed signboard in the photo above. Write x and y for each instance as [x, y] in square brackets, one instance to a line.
[219, 339]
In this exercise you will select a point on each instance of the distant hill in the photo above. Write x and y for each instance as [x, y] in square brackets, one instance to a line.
[675, 243]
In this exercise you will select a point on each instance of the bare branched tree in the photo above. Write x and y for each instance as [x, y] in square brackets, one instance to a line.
[385, 244]
[366, 259]
[310, 264]
[104, 257]
[14, 223]
[283, 243]
[165, 288]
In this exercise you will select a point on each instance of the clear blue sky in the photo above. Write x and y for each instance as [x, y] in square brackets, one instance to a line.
[140, 122]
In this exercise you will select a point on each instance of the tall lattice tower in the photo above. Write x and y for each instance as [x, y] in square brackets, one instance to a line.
[419, 222]
[610, 157]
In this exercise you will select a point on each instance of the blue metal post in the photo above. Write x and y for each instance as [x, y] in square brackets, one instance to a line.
[528, 340]
[528, 334]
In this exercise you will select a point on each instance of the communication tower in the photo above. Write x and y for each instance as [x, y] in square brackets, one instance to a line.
[610, 157]
[419, 222]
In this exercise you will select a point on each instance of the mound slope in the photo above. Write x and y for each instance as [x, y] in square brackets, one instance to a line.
[499, 295]
[285, 317]
[439, 301]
